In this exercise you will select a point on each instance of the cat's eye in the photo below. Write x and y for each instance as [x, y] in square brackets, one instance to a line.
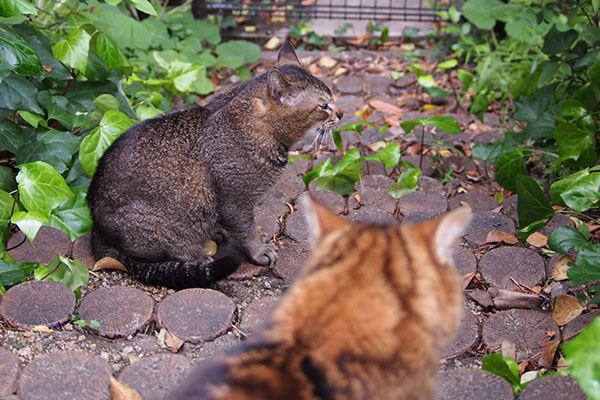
[324, 107]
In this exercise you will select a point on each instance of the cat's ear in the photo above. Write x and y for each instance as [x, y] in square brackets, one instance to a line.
[287, 55]
[320, 220]
[448, 230]
[280, 90]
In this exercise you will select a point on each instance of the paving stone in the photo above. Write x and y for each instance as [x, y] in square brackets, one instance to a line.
[82, 250]
[349, 104]
[372, 216]
[483, 222]
[553, 388]
[290, 261]
[428, 184]
[9, 370]
[376, 181]
[473, 383]
[422, 216]
[526, 329]
[525, 266]
[465, 261]
[332, 200]
[466, 337]
[422, 201]
[196, 315]
[477, 201]
[66, 374]
[121, 311]
[256, 313]
[48, 243]
[378, 83]
[155, 376]
[369, 197]
[555, 222]
[350, 84]
[35, 303]
[574, 327]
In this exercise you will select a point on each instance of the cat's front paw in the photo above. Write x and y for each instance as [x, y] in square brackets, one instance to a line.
[267, 255]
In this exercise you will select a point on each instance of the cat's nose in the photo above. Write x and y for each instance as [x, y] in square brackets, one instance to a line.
[339, 115]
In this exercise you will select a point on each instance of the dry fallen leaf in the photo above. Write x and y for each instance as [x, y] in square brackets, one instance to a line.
[272, 43]
[109, 263]
[364, 112]
[42, 328]
[327, 62]
[340, 71]
[559, 272]
[360, 39]
[496, 236]
[172, 342]
[384, 107]
[376, 146]
[314, 69]
[392, 120]
[548, 352]
[428, 107]
[120, 391]
[537, 239]
[308, 2]
[566, 309]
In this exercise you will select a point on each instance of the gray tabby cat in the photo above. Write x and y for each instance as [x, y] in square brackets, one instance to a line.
[171, 183]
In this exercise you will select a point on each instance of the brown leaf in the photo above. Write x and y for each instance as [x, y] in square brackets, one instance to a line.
[360, 39]
[566, 309]
[42, 328]
[120, 391]
[548, 352]
[393, 120]
[327, 62]
[272, 43]
[467, 278]
[384, 107]
[364, 112]
[340, 71]
[537, 239]
[172, 342]
[496, 236]
[559, 272]
[109, 263]
[308, 2]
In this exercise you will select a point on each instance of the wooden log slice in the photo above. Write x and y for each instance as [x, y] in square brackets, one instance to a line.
[522, 265]
[35, 303]
[483, 222]
[429, 184]
[121, 311]
[82, 250]
[48, 243]
[65, 374]
[422, 201]
[155, 376]
[377, 182]
[573, 328]
[369, 197]
[465, 261]
[421, 216]
[372, 216]
[9, 370]
[196, 315]
[473, 383]
[477, 201]
[553, 388]
[332, 200]
[527, 329]
[290, 260]
[256, 313]
[296, 227]
[466, 337]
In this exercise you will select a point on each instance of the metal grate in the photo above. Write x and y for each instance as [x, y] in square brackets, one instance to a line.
[386, 10]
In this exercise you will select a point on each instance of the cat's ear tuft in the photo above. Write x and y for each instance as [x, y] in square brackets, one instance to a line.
[280, 90]
[287, 55]
[320, 220]
[447, 232]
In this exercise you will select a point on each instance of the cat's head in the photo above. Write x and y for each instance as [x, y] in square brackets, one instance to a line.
[299, 96]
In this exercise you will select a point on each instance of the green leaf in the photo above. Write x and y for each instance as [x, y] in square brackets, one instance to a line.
[407, 182]
[41, 44]
[111, 126]
[339, 183]
[28, 222]
[558, 42]
[206, 30]
[73, 51]
[532, 205]
[316, 172]
[583, 356]
[504, 367]
[575, 146]
[7, 179]
[33, 119]
[108, 102]
[12, 136]
[108, 52]
[586, 268]
[235, 53]
[522, 26]
[510, 165]
[41, 187]
[9, 8]
[436, 92]
[19, 94]
[426, 81]
[482, 13]
[480, 104]
[73, 216]
[54, 147]
[564, 238]
[143, 6]
[446, 124]
[451, 63]
[12, 273]
[579, 191]
[184, 75]
[389, 155]
[7, 207]
[124, 30]
[540, 122]
[18, 56]
[71, 273]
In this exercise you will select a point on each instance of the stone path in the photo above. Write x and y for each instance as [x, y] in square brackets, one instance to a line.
[507, 288]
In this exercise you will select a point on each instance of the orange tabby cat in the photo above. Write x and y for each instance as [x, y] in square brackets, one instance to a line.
[366, 319]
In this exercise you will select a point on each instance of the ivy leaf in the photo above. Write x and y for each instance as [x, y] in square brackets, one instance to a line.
[12, 273]
[108, 51]
[482, 13]
[143, 6]
[7, 179]
[18, 56]
[111, 126]
[579, 191]
[73, 216]
[583, 356]
[586, 268]
[54, 147]
[389, 155]
[73, 51]
[12, 136]
[504, 367]
[575, 146]
[60, 108]
[41, 187]
[41, 44]
[9, 8]
[235, 53]
[558, 42]
[510, 165]
[33, 119]
[124, 30]
[407, 182]
[564, 238]
[71, 273]
[532, 206]
[7, 203]
[451, 63]
[28, 222]
[446, 124]
[19, 94]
